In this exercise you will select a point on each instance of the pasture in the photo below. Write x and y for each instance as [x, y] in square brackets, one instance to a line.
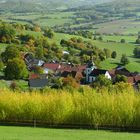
[117, 38]
[125, 26]
[28, 133]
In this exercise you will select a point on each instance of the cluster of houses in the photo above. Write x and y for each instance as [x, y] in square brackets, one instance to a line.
[85, 74]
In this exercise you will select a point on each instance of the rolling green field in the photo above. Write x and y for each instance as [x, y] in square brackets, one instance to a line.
[126, 48]
[27, 133]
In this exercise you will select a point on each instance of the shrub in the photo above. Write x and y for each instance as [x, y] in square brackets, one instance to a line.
[102, 81]
[62, 107]
[122, 40]
[114, 54]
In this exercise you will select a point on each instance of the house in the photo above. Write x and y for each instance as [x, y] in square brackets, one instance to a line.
[38, 81]
[121, 70]
[133, 80]
[137, 78]
[30, 61]
[96, 72]
[92, 72]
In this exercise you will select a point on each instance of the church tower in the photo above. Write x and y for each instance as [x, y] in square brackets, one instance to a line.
[90, 67]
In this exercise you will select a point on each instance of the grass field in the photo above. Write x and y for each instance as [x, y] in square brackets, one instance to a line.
[47, 19]
[27, 133]
[117, 38]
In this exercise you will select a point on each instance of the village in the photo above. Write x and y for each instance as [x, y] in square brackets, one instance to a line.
[84, 74]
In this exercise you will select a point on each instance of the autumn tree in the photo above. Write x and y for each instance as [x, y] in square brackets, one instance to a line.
[10, 53]
[16, 69]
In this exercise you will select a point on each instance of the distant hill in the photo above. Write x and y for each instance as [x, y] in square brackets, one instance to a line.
[43, 5]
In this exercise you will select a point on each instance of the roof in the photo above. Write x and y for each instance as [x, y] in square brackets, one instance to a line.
[67, 68]
[122, 71]
[97, 72]
[52, 66]
[33, 76]
[37, 76]
[82, 67]
[112, 72]
[38, 83]
[78, 75]
[130, 80]
[137, 78]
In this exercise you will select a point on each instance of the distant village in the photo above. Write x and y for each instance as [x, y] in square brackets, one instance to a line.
[86, 74]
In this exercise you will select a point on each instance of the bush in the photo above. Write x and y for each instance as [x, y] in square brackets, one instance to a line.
[122, 40]
[102, 81]
[120, 78]
[114, 54]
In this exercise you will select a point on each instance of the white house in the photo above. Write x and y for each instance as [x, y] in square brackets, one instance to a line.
[92, 73]
[96, 72]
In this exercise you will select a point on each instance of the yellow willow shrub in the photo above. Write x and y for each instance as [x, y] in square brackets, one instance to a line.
[87, 107]
[137, 111]
[56, 108]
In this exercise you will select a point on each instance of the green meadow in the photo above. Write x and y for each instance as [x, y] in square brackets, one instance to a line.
[29, 133]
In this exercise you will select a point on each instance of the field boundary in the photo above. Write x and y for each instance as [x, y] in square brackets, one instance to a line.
[40, 124]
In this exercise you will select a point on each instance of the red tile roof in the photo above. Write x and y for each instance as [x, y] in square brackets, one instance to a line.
[83, 67]
[137, 78]
[70, 68]
[33, 76]
[52, 66]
